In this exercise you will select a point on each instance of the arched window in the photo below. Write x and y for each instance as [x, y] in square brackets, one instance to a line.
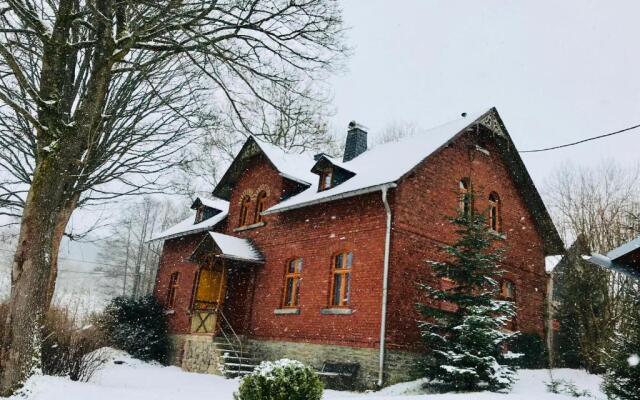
[292, 283]
[261, 203]
[341, 282]
[494, 212]
[508, 290]
[464, 187]
[244, 209]
[173, 288]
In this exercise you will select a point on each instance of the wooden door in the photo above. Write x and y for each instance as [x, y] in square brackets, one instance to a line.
[209, 296]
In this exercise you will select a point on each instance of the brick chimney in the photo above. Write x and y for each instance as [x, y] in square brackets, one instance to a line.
[356, 141]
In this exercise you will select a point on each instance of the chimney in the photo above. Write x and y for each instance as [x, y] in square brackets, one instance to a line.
[356, 141]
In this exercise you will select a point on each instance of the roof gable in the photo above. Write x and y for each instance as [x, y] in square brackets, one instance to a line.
[292, 166]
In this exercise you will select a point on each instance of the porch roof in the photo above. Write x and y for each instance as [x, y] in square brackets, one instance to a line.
[228, 247]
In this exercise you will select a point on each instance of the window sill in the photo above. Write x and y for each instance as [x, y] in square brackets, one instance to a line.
[169, 312]
[248, 227]
[286, 311]
[498, 234]
[336, 311]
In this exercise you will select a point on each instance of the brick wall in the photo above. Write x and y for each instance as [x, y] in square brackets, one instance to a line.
[174, 258]
[420, 204]
[424, 200]
[315, 234]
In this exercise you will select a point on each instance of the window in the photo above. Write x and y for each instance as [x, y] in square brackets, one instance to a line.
[173, 288]
[494, 212]
[199, 215]
[260, 205]
[465, 196]
[508, 290]
[292, 283]
[341, 282]
[326, 178]
[244, 210]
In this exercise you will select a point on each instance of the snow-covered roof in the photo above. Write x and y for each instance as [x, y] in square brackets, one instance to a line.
[236, 248]
[188, 227]
[622, 259]
[551, 262]
[294, 166]
[215, 203]
[381, 165]
[624, 249]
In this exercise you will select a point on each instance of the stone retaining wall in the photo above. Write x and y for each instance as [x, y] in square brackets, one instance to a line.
[400, 366]
[195, 353]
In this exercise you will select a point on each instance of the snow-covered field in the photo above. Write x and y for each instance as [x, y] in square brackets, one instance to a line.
[136, 380]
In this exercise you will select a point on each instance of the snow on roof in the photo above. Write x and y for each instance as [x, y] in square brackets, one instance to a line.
[215, 203]
[624, 249]
[236, 248]
[551, 262]
[381, 165]
[188, 227]
[294, 166]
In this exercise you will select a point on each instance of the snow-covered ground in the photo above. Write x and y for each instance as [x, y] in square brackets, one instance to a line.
[136, 380]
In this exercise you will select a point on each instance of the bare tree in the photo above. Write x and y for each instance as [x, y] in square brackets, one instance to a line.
[129, 260]
[599, 206]
[294, 117]
[396, 130]
[98, 98]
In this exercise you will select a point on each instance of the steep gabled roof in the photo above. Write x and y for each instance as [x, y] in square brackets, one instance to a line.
[188, 225]
[387, 164]
[293, 166]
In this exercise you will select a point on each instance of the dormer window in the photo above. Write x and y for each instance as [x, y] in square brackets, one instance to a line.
[326, 179]
[199, 215]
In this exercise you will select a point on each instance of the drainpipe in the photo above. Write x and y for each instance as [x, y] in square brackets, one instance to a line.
[385, 284]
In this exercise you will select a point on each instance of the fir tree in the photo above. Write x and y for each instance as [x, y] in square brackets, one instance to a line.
[466, 338]
[622, 379]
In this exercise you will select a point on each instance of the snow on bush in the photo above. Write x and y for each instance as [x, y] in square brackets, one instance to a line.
[280, 380]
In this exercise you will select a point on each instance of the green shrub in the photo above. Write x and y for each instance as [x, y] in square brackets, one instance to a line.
[533, 350]
[137, 326]
[280, 380]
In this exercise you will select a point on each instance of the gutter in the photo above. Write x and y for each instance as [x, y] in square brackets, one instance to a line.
[385, 283]
[351, 193]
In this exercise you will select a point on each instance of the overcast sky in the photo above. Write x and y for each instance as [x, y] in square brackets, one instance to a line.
[557, 71]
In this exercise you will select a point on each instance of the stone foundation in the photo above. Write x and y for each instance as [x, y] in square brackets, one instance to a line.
[400, 366]
[194, 353]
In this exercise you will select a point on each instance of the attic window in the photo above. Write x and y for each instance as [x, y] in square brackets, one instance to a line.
[326, 179]
[199, 215]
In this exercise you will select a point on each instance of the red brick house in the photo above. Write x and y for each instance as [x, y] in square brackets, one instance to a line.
[316, 258]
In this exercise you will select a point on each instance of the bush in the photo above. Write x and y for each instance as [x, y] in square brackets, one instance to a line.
[533, 350]
[280, 380]
[67, 348]
[137, 326]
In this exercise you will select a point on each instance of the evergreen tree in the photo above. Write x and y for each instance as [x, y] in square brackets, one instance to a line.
[622, 379]
[466, 337]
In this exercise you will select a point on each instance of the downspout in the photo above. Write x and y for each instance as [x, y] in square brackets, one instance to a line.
[385, 284]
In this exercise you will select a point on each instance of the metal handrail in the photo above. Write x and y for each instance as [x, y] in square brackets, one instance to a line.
[235, 335]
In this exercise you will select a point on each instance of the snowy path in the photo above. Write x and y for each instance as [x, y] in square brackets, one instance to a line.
[135, 380]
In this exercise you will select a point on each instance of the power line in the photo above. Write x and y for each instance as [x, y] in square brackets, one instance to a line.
[582, 141]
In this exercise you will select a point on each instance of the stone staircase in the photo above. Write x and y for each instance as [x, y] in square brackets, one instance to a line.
[233, 359]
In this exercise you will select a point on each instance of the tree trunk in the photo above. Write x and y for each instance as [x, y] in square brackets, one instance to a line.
[45, 217]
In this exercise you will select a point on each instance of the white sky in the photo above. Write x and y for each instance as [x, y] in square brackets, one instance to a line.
[558, 71]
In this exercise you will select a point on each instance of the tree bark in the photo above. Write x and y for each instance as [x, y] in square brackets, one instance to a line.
[47, 212]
